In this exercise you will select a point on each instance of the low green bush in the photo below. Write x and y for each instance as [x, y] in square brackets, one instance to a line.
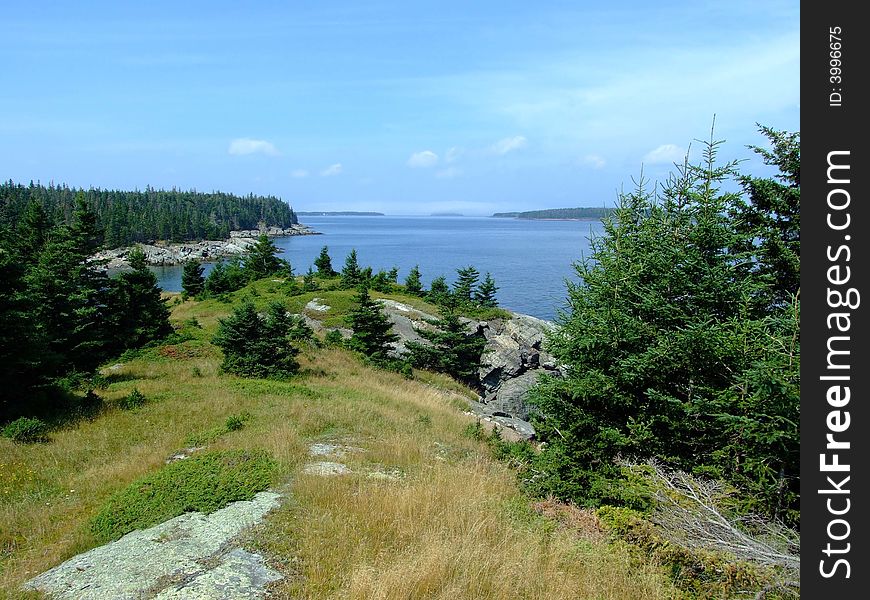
[203, 483]
[25, 430]
[134, 399]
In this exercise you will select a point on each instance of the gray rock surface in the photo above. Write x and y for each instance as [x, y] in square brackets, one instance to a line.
[510, 396]
[173, 254]
[190, 556]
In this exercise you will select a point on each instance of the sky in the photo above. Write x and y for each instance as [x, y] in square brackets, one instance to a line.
[398, 107]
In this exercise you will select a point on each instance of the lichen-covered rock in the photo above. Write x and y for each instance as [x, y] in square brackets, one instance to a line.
[190, 556]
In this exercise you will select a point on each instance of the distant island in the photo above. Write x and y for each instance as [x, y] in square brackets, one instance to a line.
[560, 214]
[340, 213]
[446, 214]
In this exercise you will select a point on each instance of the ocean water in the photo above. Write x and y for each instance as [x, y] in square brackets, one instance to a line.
[529, 260]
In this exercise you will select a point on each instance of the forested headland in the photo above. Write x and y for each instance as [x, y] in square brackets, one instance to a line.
[129, 217]
[595, 212]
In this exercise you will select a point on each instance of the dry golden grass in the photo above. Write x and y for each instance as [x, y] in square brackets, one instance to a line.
[452, 526]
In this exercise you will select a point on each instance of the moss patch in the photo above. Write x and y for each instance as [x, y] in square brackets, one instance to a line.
[203, 483]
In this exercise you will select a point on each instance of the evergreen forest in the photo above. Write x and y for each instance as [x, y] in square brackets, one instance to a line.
[128, 217]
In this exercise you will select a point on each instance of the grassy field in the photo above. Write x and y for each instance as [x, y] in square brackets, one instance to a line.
[449, 523]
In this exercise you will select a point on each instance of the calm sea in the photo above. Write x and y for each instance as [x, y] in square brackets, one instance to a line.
[529, 260]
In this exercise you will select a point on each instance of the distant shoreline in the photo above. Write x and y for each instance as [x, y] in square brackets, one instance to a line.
[339, 213]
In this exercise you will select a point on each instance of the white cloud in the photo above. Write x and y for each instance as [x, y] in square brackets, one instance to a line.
[448, 173]
[453, 154]
[666, 153]
[242, 146]
[298, 173]
[331, 170]
[594, 161]
[508, 144]
[426, 158]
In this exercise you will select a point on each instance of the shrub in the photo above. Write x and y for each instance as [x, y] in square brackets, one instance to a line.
[204, 483]
[25, 430]
[134, 399]
[236, 422]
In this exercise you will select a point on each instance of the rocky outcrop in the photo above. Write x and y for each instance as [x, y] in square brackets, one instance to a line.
[161, 254]
[512, 361]
[191, 556]
[297, 229]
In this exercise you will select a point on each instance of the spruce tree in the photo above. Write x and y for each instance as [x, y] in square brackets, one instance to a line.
[770, 218]
[413, 283]
[665, 355]
[192, 281]
[372, 334]
[465, 284]
[262, 259]
[142, 314]
[484, 297]
[439, 292]
[351, 275]
[256, 346]
[324, 263]
[451, 348]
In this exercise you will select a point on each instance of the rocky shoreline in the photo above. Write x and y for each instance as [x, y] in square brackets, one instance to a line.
[163, 254]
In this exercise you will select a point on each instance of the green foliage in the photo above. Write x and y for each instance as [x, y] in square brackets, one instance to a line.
[262, 260]
[124, 218]
[192, 281]
[237, 422]
[203, 483]
[141, 313]
[333, 337]
[465, 284]
[226, 277]
[371, 327]
[770, 219]
[25, 430]
[698, 573]
[484, 296]
[439, 292]
[351, 274]
[324, 263]
[133, 400]
[668, 354]
[309, 282]
[413, 283]
[451, 348]
[255, 346]
[381, 282]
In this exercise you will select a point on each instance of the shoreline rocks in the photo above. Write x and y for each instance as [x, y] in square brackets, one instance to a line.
[166, 254]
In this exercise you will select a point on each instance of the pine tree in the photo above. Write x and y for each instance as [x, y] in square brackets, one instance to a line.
[452, 348]
[393, 275]
[371, 327]
[309, 281]
[381, 282]
[33, 231]
[439, 292]
[351, 275]
[771, 218]
[484, 297]
[256, 346]
[262, 259]
[465, 284]
[192, 281]
[142, 314]
[324, 263]
[665, 354]
[413, 283]
[22, 350]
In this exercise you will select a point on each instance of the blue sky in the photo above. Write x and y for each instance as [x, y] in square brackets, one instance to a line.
[399, 107]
